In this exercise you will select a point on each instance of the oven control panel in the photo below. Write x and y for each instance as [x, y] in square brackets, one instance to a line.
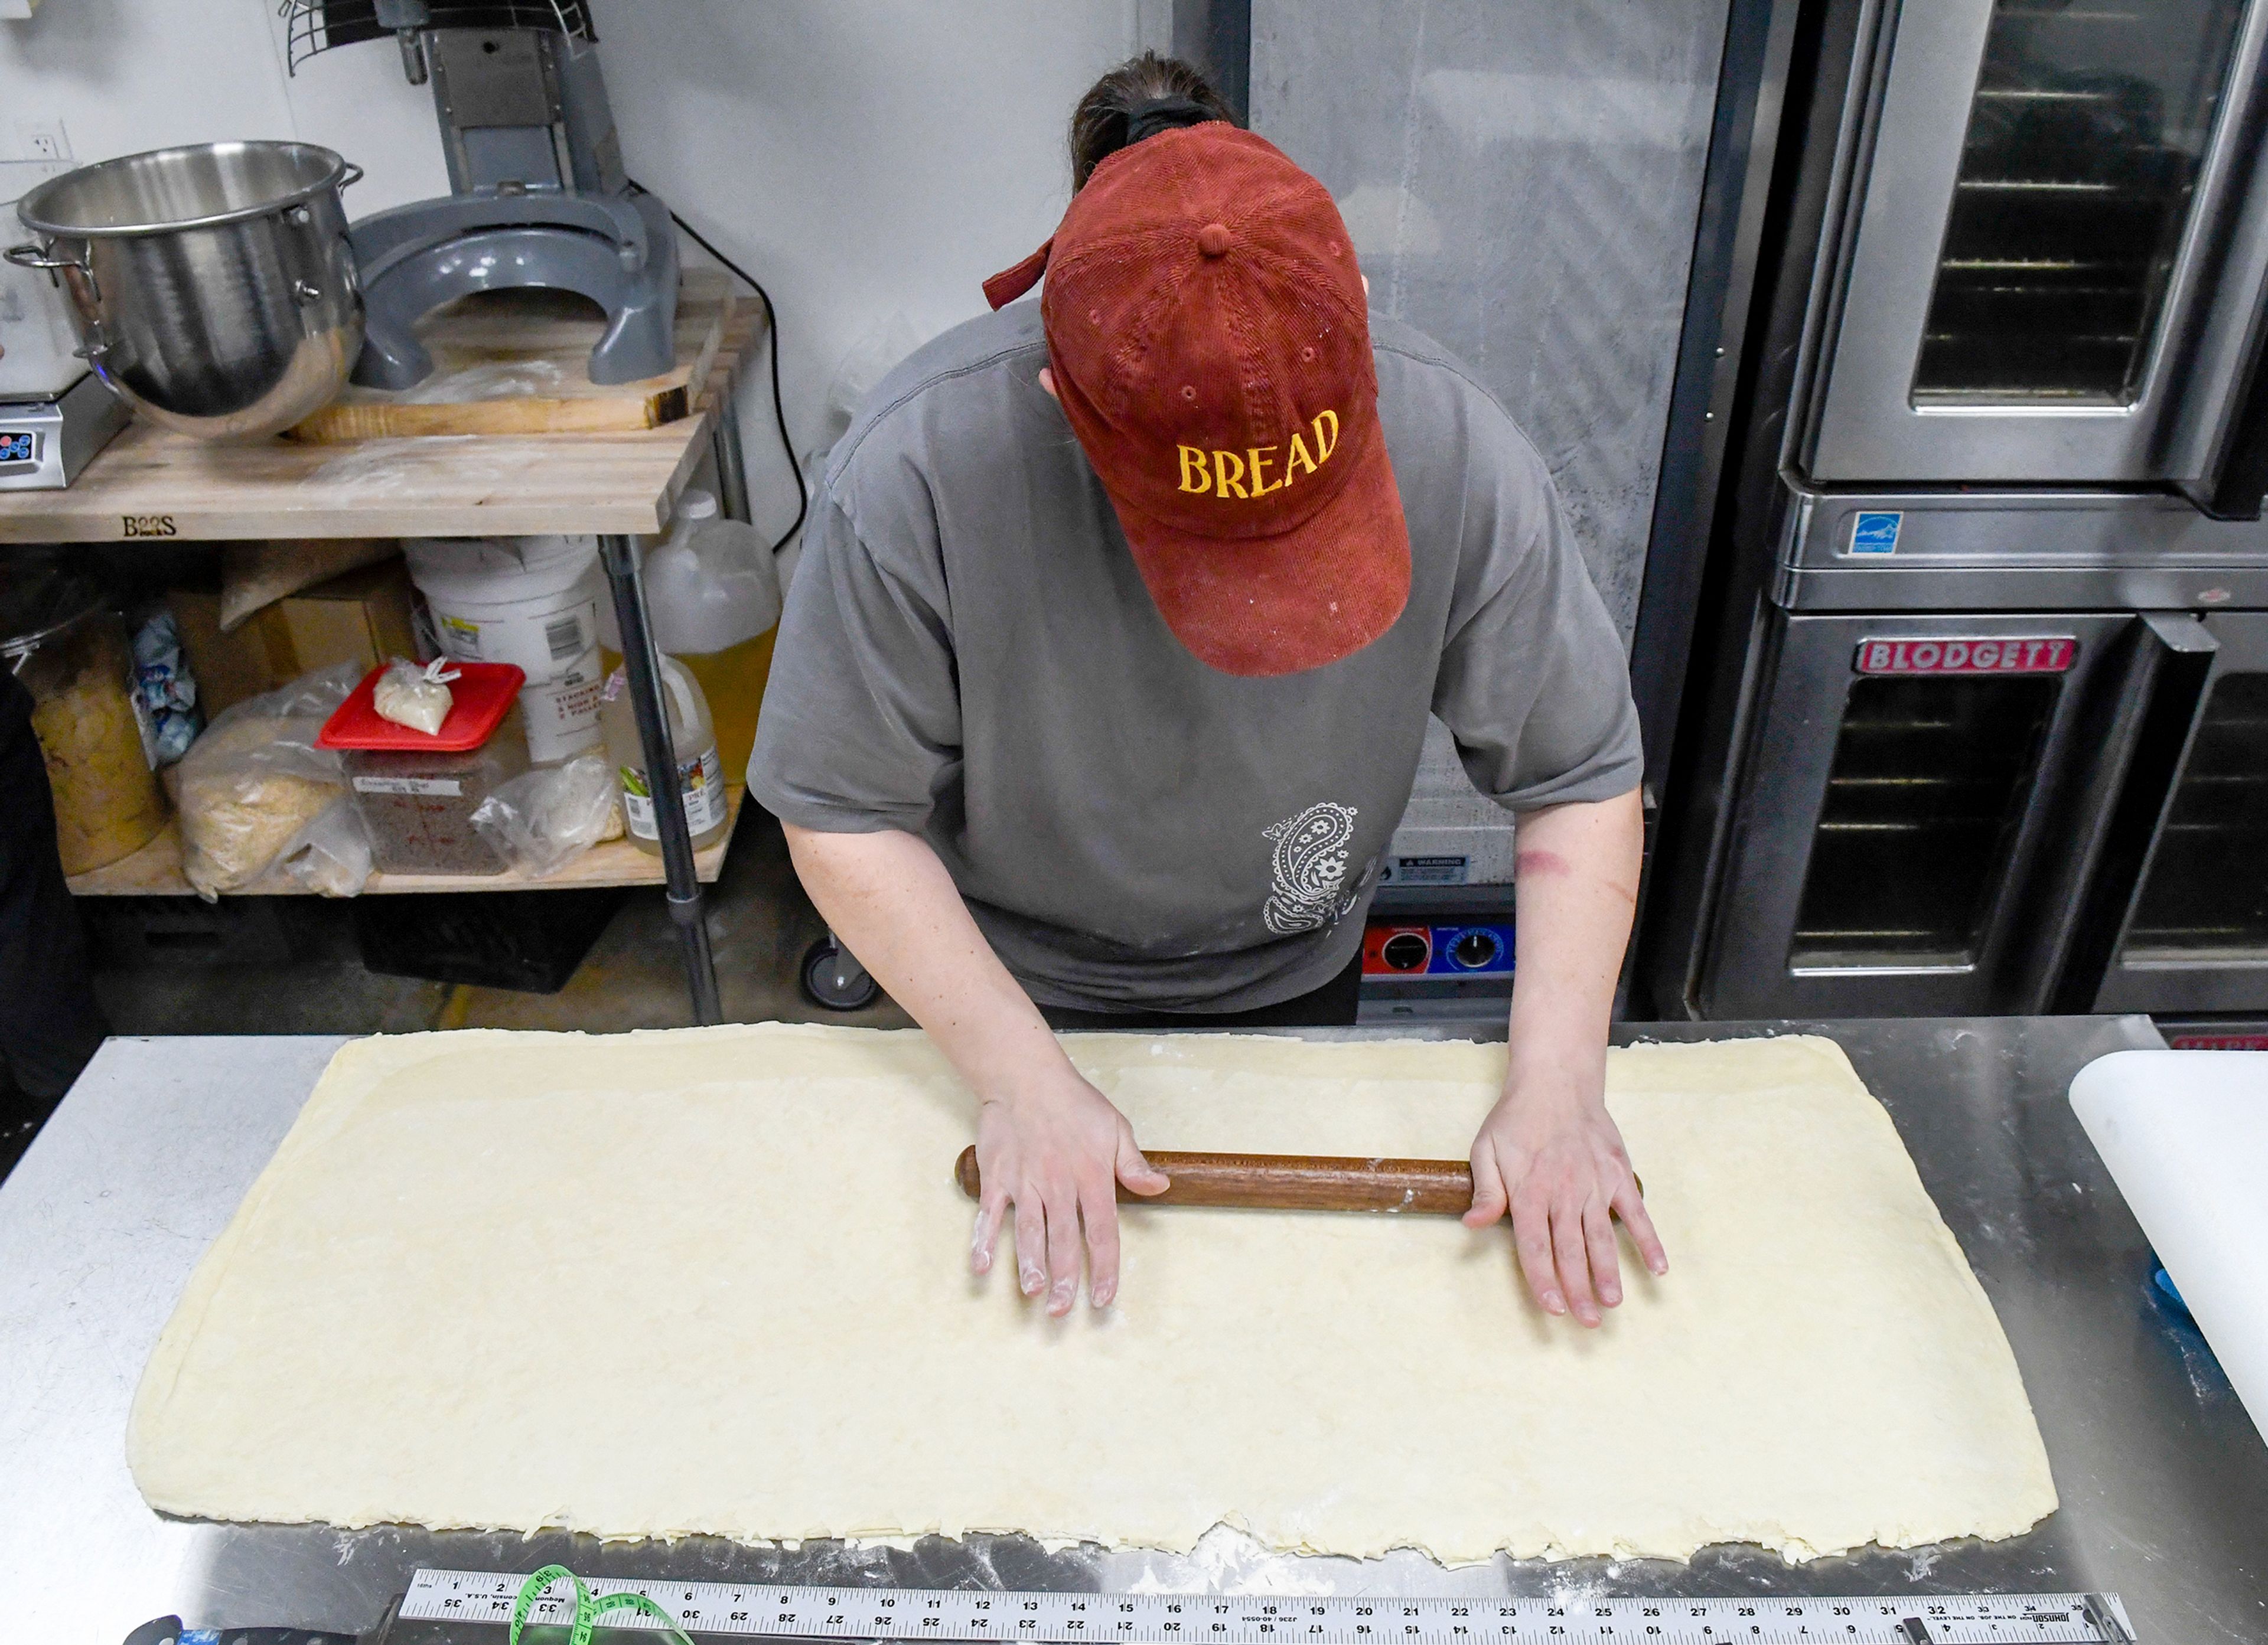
[1391, 950]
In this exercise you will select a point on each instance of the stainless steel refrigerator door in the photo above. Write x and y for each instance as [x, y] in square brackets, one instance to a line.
[1915, 807]
[2194, 936]
[2052, 247]
[1521, 179]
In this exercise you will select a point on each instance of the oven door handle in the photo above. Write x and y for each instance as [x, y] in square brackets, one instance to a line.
[2166, 689]
[2236, 481]
[2218, 457]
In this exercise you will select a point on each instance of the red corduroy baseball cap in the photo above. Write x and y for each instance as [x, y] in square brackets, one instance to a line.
[1210, 340]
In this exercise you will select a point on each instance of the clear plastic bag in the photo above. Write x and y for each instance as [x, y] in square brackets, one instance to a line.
[248, 786]
[416, 694]
[539, 822]
[331, 856]
[168, 690]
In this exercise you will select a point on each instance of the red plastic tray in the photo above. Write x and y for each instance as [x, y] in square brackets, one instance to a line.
[483, 692]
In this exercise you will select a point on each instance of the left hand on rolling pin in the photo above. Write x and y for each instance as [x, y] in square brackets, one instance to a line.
[1053, 1152]
[1555, 1159]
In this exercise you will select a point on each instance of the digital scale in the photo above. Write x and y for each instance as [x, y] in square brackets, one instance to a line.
[45, 443]
[477, 1606]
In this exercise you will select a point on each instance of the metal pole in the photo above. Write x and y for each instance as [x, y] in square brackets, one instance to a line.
[732, 465]
[620, 555]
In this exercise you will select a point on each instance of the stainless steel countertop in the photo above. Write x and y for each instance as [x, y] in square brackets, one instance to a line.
[2164, 1480]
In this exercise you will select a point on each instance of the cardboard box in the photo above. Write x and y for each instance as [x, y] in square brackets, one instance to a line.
[227, 668]
[361, 617]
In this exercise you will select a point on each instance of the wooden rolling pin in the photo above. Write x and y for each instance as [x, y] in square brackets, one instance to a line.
[1292, 1182]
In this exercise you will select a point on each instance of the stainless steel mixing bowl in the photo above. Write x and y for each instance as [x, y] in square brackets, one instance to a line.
[212, 285]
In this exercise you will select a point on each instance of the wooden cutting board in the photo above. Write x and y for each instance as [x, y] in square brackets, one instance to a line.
[517, 363]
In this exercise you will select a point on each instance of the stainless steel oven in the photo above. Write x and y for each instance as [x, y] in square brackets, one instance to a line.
[1978, 719]
[2177, 922]
[2048, 265]
[1933, 799]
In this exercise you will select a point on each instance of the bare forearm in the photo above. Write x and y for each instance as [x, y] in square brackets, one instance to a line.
[1578, 868]
[1050, 1149]
[1549, 1152]
[889, 901]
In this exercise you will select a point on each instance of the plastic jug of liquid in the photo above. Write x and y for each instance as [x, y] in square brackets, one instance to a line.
[712, 593]
[693, 740]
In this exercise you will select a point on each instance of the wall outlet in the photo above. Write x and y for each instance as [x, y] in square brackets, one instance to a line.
[40, 140]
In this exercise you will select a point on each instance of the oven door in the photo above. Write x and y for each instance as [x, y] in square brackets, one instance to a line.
[1919, 802]
[2185, 879]
[2059, 256]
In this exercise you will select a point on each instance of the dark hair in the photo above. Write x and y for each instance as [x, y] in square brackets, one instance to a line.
[1141, 97]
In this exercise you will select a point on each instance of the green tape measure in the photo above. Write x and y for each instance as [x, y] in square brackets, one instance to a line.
[588, 1609]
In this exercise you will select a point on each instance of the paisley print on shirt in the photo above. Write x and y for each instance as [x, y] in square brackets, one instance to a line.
[1308, 868]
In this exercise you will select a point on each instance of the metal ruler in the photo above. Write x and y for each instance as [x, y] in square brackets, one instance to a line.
[749, 1610]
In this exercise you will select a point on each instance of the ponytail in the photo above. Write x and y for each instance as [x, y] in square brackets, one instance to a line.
[1139, 99]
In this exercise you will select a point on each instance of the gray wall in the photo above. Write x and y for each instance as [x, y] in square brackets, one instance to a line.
[1521, 178]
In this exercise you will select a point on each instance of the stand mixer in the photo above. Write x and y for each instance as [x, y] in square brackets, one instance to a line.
[540, 197]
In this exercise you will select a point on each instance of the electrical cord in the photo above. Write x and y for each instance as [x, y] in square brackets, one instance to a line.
[779, 409]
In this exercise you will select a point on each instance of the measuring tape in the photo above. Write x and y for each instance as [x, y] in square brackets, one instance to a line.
[750, 1609]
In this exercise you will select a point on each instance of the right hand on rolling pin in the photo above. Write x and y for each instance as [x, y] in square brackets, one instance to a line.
[1554, 1160]
[1057, 1151]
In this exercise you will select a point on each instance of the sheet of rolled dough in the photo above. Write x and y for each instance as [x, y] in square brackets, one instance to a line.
[715, 1281]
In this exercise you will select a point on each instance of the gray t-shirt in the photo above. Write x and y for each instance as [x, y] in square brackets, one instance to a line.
[969, 655]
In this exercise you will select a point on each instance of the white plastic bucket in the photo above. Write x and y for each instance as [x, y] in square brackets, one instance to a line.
[562, 714]
[530, 600]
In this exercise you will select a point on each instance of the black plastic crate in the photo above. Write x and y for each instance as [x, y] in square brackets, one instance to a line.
[146, 933]
[527, 940]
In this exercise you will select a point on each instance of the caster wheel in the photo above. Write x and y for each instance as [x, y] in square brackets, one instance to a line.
[834, 982]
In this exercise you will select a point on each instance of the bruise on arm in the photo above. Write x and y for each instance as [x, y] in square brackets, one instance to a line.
[1550, 865]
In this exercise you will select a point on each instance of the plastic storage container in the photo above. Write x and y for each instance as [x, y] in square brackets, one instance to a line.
[60, 638]
[531, 601]
[692, 739]
[417, 793]
[712, 593]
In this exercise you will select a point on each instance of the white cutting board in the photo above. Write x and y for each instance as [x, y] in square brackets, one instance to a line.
[2185, 1136]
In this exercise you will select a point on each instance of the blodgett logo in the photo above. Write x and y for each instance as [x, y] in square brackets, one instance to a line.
[1226, 473]
[2016, 654]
